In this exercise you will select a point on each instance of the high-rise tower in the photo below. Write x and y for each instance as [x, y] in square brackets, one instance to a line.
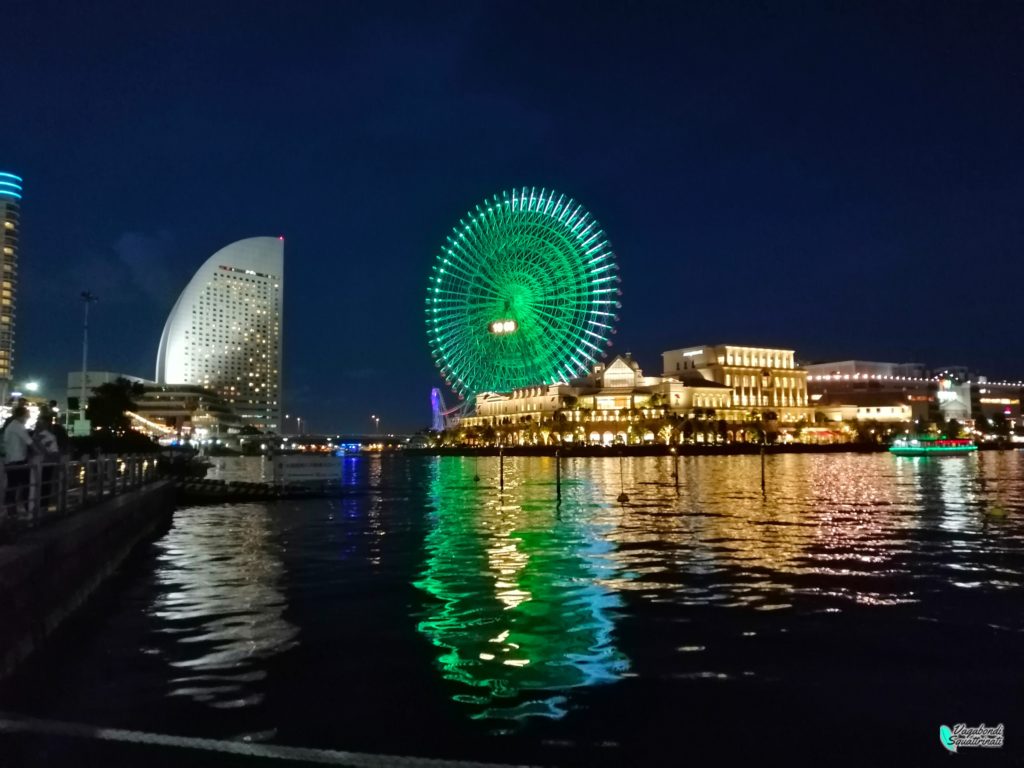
[10, 220]
[224, 332]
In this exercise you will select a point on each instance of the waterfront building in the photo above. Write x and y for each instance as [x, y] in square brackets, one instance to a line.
[865, 368]
[189, 410]
[948, 392]
[185, 410]
[224, 332]
[997, 401]
[10, 219]
[615, 403]
[866, 406]
[761, 380]
[936, 399]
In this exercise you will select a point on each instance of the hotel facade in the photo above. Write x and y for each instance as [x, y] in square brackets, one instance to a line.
[760, 379]
[224, 332]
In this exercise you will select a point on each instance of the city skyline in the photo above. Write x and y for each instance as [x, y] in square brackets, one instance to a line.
[750, 198]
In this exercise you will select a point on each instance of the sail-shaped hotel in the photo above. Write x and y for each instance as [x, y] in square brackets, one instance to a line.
[224, 332]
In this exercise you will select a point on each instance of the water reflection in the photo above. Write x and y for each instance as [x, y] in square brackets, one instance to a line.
[833, 529]
[522, 611]
[221, 604]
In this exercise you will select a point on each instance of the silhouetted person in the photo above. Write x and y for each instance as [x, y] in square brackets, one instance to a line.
[48, 454]
[17, 449]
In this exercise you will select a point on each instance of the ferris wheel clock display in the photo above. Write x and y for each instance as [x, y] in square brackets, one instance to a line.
[523, 292]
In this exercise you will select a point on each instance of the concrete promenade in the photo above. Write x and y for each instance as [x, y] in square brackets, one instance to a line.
[49, 572]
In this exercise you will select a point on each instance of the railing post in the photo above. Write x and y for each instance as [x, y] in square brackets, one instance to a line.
[100, 477]
[4, 510]
[35, 491]
[85, 481]
[61, 482]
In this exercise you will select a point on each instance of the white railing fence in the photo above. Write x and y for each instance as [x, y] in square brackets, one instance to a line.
[36, 491]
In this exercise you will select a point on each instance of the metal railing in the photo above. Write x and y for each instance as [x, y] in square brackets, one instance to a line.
[35, 492]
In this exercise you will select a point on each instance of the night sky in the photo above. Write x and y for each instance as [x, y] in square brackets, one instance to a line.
[843, 179]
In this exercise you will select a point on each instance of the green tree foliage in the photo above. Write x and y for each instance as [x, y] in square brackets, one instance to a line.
[109, 403]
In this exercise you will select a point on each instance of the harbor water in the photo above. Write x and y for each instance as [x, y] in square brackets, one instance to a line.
[849, 611]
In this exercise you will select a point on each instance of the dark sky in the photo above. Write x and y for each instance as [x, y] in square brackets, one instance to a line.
[844, 179]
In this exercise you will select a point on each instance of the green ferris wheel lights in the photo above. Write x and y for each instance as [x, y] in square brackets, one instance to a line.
[524, 291]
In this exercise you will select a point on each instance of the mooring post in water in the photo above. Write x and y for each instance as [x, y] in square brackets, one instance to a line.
[763, 491]
[675, 459]
[501, 467]
[476, 468]
[623, 497]
[558, 475]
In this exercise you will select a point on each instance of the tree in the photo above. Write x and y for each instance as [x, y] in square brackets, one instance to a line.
[489, 435]
[953, 428]
[1001, 425]
[869, 431]
[110, 402]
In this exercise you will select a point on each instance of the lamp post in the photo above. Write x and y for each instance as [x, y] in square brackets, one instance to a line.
[298, 425]
[376, 423]
[87, 298]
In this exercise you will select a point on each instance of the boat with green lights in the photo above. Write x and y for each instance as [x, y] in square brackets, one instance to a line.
[930, 445]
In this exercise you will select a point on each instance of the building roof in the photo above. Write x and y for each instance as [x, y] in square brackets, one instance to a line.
[864, 399]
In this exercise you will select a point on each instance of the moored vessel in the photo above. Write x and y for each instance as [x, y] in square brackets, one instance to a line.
[930, 445]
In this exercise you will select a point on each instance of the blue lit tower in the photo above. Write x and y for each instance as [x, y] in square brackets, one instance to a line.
[10, 217]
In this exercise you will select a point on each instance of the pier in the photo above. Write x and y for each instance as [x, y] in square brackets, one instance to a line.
[67, 531]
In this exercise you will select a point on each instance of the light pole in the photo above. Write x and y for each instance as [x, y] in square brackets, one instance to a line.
[376, 423]
[284, 430]
[298, 421]
[87, 298]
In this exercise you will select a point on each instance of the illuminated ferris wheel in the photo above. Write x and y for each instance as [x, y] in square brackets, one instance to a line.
[524, 291]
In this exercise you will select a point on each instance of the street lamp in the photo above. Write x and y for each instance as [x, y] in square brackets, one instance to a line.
[32, 386]
[376, 423]
[87, 298]
[298, 422]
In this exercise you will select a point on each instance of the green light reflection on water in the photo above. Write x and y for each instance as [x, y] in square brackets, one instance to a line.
[521, 610]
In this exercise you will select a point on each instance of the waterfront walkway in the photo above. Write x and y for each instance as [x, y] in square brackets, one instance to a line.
[38, 492]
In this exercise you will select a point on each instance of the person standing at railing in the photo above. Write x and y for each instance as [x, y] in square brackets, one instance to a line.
[17, 449]
[63, 441]
[46, 455]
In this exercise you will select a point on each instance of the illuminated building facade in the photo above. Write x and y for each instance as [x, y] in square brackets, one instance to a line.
[865, 368]
[885, 391]
[224, 332]
[10, 218]
[760, 379]
[188, 409]
[616, 403]
[886, 409]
